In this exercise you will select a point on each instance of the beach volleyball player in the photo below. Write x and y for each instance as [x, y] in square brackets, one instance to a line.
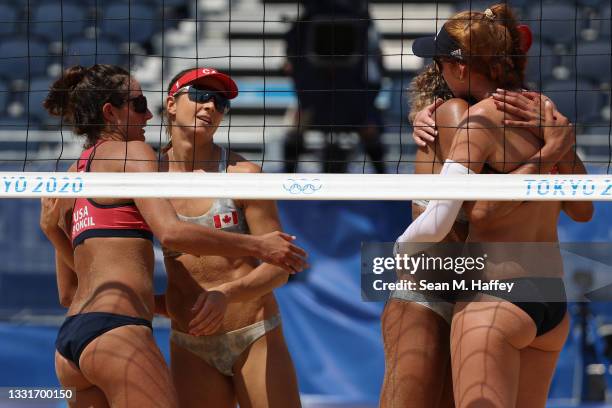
[241, 356]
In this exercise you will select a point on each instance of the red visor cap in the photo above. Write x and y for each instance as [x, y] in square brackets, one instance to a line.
[198, 75]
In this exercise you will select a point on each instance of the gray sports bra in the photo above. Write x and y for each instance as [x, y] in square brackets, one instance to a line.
[223, 214]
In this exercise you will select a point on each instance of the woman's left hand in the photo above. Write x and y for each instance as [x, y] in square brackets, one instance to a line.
[424, 125]
[527, 107]
[209, 311]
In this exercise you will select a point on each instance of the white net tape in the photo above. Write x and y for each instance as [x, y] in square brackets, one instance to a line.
[308, 186]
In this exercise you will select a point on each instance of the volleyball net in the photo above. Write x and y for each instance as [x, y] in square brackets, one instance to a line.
[323, 97]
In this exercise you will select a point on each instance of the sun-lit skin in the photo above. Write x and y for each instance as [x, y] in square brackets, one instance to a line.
[466, 83]
[239, 288]
[124, 123]
[203, 119]
[193, 127]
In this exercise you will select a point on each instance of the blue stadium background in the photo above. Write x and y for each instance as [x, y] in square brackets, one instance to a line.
[333, 336]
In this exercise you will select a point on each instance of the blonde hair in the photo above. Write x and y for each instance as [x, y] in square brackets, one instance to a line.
[425, 88]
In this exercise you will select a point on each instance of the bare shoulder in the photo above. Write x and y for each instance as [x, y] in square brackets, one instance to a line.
[483, 115]
[118, 150]
[448, 115]
[238, 164]
[453, 106]
[138, 149]
[132, 156]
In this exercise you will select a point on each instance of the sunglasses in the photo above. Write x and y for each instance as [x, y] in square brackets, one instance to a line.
[139, 103]
[222, 104]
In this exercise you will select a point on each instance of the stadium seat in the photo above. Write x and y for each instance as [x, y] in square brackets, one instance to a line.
[39, 88]
[399, 102]
[88, 52]
[4, 96]
[599, 129]
[593, 60]
[579, 100]
[604, 29]
[139, 27]
[562, 383]
[605, 15]
[46, 20]
[588, 3]
[555, 23]
[172, 3]
[9, 19]
[14, 62]
[17, 123]
[541, 60]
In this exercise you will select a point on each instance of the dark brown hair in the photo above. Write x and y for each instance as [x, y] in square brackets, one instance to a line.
[80, 93]
[490, 42]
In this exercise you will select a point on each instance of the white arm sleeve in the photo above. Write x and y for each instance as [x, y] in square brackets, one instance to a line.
[438, 218]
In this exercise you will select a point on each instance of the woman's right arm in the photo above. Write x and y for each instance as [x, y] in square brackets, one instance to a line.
[275, 247]
[54, 222]
[67, 281]
[50, 219]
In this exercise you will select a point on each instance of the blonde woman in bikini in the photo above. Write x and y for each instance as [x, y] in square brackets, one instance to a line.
[241, 356]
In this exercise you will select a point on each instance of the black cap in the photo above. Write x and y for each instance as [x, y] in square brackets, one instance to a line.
[440, 45]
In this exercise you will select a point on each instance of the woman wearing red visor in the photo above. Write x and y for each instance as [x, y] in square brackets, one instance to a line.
[234, 350]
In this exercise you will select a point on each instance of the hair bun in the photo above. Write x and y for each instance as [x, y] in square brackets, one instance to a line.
[57, 101]
[73, 75]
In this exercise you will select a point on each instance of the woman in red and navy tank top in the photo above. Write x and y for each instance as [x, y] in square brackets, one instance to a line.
[105, 348]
